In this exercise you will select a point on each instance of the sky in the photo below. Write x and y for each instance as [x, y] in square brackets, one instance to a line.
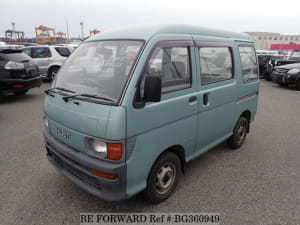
[235, 15]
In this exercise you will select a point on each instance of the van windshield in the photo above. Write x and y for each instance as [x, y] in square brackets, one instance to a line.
[99, 68]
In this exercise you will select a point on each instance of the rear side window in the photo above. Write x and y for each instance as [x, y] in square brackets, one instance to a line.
[40, 52]
[249, 64]
[63, 51]
[27, 51]
[172, 65]
[215, 64]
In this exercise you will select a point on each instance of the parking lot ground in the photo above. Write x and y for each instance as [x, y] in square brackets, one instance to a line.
[258, 184]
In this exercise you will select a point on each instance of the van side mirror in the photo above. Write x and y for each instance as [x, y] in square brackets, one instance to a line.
[152, 89]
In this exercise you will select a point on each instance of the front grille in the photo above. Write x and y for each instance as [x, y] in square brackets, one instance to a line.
[17, 74]
[74, 171]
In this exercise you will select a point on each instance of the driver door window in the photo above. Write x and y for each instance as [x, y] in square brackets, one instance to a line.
[172, 65]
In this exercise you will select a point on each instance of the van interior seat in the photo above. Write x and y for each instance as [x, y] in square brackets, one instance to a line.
[178, 69]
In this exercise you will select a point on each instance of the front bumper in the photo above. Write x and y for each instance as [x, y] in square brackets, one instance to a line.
[76, 166]
[9, 86]
[283, 79]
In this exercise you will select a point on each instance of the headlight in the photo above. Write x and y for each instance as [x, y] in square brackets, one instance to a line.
[14, 66]
[99, 147]
[112, 151]
[294, 71]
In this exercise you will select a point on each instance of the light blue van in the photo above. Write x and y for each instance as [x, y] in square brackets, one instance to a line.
[130, 107]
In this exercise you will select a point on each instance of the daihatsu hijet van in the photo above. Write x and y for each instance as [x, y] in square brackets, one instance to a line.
[130, 107]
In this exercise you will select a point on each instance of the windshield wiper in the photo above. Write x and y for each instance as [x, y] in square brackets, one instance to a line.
[58, 88]
[65, 98]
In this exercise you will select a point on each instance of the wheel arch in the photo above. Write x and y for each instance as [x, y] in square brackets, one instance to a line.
[53, 66]
[177, 150]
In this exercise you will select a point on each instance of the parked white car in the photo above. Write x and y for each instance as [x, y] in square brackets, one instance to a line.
[48, 58]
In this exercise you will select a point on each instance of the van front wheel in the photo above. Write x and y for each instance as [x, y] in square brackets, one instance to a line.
[239, 133]
[163, 178]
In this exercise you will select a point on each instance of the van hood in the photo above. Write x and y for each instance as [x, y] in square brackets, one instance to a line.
[72, 123]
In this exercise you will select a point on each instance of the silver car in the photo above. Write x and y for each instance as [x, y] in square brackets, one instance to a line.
[48, 58]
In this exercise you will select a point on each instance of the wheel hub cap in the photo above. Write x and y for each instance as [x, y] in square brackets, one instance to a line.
[241, 131]
[165, 178]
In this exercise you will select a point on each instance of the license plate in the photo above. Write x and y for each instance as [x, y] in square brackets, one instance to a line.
[65, 134]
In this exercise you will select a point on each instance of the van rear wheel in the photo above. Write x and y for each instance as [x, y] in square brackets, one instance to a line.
[163, 178]
[239, 133]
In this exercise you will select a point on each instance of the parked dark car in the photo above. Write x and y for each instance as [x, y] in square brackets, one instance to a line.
[287, 75]
[293, 58]
[266, 65]
[18, 72]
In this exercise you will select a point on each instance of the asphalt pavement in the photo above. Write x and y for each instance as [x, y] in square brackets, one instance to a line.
[258, 184]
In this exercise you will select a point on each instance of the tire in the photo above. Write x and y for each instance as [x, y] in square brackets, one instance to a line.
[269, 69]
[239, 133]
[163, 178]
[268, 77]
[298, 85]
[52, 72]
[21, 92]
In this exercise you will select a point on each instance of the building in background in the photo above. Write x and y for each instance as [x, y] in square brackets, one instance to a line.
[14, 35]
[275, 41]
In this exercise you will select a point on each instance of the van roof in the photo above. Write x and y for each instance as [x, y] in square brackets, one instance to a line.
[145, 32]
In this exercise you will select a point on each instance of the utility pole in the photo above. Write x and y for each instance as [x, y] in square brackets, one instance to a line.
[67, 28]
[82, 32]
[13, 24]
[13, 34]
